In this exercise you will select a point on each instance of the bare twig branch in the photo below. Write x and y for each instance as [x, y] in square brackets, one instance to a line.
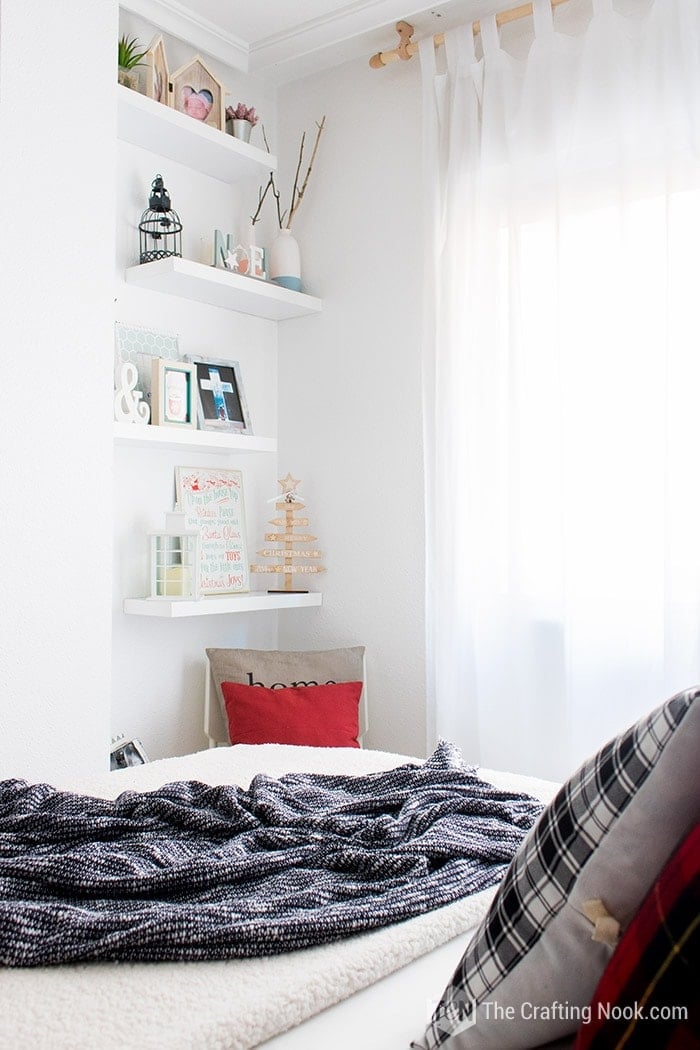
[262, 194]
[295, 187]
[297, 191]
[298, 194]
[276, 194]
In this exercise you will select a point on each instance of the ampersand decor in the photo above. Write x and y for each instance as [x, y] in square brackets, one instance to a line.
[128, 406]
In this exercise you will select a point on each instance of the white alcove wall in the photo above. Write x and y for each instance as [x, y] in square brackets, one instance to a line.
[354, 376]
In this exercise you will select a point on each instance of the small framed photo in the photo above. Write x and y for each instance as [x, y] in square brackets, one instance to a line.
[195, 91]
[221, 403]
[173, 399]
[125, 753]
[156, 65]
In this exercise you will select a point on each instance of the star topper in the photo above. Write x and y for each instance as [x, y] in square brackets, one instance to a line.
[289, 492]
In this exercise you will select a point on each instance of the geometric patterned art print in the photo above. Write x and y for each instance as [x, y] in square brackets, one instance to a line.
[139, 346]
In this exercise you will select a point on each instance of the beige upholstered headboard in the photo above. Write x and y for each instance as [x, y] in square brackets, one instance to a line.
[270, 666]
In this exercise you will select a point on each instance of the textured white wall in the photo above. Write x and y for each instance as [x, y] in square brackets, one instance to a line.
[349, 380]
[57, 132]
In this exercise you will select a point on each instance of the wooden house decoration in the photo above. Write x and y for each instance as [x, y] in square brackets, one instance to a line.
[195, 90]
[157, 74]
[287, 551]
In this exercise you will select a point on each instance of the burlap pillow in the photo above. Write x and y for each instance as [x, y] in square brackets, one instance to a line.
[275, 668]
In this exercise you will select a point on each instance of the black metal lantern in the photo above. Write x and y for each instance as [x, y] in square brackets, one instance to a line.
[160, 226]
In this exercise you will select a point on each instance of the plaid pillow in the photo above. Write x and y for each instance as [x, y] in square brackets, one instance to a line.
[648, 995]
[531, 968]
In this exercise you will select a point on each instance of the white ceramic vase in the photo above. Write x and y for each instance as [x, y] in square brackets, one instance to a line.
[285, 261]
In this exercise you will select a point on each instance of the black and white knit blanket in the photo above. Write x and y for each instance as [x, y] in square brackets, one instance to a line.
[193, 872]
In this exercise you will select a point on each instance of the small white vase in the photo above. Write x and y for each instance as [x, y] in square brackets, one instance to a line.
[285, 261]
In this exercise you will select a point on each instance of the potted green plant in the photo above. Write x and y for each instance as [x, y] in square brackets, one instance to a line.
[128, 58]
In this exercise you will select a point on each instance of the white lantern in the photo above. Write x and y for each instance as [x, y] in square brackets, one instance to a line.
[175, 559]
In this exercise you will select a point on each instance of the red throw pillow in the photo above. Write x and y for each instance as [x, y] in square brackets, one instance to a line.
[647, 996]
[315, 715]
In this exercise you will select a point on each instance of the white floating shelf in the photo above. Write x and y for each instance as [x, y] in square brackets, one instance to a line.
[218, 287]
[139, 436]
[156, 127]
[238, 603]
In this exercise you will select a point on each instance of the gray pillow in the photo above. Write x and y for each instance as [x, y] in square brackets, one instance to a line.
[276, 669]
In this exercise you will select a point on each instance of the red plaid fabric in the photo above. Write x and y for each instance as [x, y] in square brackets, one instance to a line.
[649, 994]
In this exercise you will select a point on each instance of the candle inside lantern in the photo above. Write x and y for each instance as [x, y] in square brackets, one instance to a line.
[178, 581]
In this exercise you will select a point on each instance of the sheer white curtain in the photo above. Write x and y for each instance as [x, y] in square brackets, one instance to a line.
[562, 380]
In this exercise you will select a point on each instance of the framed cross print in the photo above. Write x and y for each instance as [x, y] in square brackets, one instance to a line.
[221, 400]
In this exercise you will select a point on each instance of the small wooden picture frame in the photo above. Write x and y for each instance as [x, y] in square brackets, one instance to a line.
[221, 403]
[173, 398]
[195, 90]
[157, 73]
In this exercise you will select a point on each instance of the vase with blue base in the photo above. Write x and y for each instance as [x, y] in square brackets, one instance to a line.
[285, 261]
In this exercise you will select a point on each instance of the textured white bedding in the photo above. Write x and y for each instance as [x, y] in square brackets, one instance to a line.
[238, 1004]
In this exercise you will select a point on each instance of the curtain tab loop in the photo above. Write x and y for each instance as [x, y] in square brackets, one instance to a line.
[426, 53]
[459, 47]
[467, 48]
[489, 34]
[543, 17]
[452, 50]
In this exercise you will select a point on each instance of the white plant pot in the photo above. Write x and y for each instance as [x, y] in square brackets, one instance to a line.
[285, 261]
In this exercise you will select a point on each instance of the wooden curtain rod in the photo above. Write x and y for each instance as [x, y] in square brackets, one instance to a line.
[408, 48]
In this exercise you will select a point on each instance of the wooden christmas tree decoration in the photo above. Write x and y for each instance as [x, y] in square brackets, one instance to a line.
[290, 503]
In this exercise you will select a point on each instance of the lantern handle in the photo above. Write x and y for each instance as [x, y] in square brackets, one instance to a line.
[160, 198]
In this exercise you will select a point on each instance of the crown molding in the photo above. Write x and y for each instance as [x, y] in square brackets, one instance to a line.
[288, 53]
[179, 21]
[306, 47]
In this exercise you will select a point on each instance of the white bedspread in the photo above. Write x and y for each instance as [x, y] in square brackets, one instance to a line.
[234, 1004]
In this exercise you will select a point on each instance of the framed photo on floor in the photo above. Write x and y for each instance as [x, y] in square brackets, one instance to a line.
[221, 402]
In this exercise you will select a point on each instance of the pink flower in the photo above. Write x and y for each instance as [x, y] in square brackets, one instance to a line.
[242, 112]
